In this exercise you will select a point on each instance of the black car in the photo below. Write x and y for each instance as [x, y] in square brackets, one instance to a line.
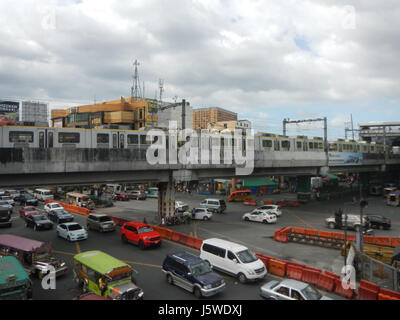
[378, 222]
[26, 199]
[60, 216]
[38, 221]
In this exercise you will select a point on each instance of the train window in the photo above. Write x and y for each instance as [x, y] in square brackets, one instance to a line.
[133, 139]
[333, 147]
[41, 139]
[299, 145]
[276, 145]
[372, 149]
[305, 146]
[285, 145]
[50, 138]
[21, 136]
[68, 137]
[121, 141]
[364, 149]
[115, 141]
[103, 138]
[311, 145]
[340, 147]
[267, 143]
[143, 139]
[320, 145]
[315, 145]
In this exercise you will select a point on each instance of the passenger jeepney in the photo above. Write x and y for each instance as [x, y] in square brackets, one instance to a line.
[80, 198]
[35, 256]
[14, 281]
[393, 199]
[102, 274]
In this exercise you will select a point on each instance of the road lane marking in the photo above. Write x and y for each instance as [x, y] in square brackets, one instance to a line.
[78, 248]
[303, 221]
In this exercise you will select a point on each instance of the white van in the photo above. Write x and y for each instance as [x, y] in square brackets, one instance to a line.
[43, 194]
[233, 258]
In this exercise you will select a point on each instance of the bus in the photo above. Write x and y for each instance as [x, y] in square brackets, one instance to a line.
[240, 195]
[106, 276]
[14, 281]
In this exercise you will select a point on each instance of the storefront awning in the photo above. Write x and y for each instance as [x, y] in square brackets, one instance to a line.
[258, 182]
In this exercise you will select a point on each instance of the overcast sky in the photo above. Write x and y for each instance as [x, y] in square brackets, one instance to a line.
[265, 60]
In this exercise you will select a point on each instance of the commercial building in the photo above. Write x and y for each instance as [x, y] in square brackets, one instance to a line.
[34, 113]
[381, 132]
[126, 113]
[203, 116]
[167, 114]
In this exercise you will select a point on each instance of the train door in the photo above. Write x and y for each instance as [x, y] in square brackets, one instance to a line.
[42, 139]
[50, 139]
[115, 139]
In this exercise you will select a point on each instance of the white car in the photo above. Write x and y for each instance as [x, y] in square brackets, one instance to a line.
[71, 231]
[9, 200]
[180, 206]
[260, 216]
[275, 209]
[52, 206]
[201, 214]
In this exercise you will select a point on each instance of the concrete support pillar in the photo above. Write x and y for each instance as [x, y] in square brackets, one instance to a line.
[166, 198]
[233, 184]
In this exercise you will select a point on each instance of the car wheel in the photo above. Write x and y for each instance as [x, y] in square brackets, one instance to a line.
[357, 228]
[68, 238]
[141, 245]
[26, 224]
[381, 227]
[124, 239]
[265, 221]
[58, 234]
[35, 227]
[242, 278]
[197, 292]
[205, 218]
[331, 225]
[246, 219]
[169, 279]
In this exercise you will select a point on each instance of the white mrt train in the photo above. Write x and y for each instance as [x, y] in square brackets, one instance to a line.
[45, 137]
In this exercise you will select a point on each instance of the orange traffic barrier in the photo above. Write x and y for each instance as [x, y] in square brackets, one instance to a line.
[294, 272]
[326, 282]
[333, 275]
[395, 241]
[264, 258]
[347, 293]
[383, 241]
[311, 234]
[72, 208]
[250, 203]
[390, 293]
[369, 239]
[369, 285]
[382, 296]
[366, 294]
[338, 235]
[310, 275]
[277, 267]
[351, 237]
[267, 202]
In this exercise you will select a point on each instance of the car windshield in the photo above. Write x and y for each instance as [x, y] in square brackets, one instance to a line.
[201, 268]
[311, 294]
[39, 217]
[30, 209]
[56, 205]
[6, 198]
[145, 229]
[105, 219]
[61, 212]
[28, 196]
[246, 256]
[3, 203]
[74, 227]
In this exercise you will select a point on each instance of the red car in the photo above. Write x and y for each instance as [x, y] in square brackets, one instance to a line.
[121, 197]
[26, 211]
[141, 234]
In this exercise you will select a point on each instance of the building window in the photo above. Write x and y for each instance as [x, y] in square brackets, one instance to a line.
[68, 137]
[21, 136]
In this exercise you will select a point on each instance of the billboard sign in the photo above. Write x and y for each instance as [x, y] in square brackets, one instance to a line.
[345, 159]
[9, 111]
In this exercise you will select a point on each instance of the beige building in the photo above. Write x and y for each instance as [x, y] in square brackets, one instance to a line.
[204, 116]
[229, 125]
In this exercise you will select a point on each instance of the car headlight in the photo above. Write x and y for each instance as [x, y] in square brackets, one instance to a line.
[251, 272]
[207, 286]
[146, 238]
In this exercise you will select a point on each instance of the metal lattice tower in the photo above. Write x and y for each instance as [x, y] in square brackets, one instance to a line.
[161, 87]
[135, 90]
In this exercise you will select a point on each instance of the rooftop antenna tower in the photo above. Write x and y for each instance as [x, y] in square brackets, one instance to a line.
[135, 90]
[161, 87]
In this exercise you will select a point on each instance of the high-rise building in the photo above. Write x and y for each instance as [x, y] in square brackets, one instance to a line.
[175, 114]
[35, 113]
[203, 116]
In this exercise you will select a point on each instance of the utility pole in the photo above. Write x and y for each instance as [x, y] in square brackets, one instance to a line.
[183, 114]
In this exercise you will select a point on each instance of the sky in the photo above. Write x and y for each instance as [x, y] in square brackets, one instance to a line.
[265, 60]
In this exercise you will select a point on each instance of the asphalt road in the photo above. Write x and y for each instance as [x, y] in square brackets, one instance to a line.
[147, 263]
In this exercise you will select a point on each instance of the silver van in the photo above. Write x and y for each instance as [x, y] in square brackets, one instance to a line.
[100, 222]
[214, 205]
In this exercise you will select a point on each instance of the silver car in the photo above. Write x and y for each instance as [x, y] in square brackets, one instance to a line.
[289, 289]
[100, 222]
[353, 222]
